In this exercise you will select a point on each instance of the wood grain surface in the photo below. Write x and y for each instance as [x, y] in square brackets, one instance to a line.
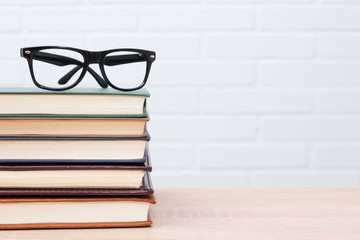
[235, 213]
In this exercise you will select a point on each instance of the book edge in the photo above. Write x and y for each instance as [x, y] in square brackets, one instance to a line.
[76, 91]
[75, 225]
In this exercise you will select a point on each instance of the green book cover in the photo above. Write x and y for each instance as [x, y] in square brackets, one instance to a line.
[77, 91]
[92, 91]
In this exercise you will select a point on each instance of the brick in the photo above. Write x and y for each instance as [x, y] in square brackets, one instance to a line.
[202, 127]
[207, 179]
[306, 178]
[233, 155]
[337, 155]
[309, 18]
[203, 74]
[345, 45]
[338, 101]
[341, 1]
[309, 74]
[238, 101]
[172, 155]
[259, 45]
[80, 18]
[197, 18]
[38, 2]
[9, 20]
[311, 127]
[261, 1]
[187, 103]
[145, 1]
[165, 45]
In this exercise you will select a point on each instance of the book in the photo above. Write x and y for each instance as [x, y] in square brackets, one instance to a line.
[73, 127]
[146, 189]
[73, 175]
[80, 212]
[95, 149]
[79, 102]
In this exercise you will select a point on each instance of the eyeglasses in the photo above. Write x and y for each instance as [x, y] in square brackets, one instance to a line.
[62, 68]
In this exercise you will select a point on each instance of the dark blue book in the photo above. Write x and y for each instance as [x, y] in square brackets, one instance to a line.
[54, 179]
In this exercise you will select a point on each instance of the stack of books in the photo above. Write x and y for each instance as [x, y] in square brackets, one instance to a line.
[74, 159]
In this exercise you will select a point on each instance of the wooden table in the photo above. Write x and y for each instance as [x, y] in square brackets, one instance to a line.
[236, 213]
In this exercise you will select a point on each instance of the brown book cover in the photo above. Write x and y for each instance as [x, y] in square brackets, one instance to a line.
[53, 225]
[75, 225]
[145, 190]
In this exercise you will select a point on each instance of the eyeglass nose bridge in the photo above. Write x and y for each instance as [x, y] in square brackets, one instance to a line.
[94, 57]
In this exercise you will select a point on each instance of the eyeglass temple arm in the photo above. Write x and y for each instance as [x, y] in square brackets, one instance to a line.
[64, 61]
[109, 61]
[123, 59]
[56, 59]
[68, 76]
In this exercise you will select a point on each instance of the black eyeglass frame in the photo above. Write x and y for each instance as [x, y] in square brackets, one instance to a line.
[89, 58]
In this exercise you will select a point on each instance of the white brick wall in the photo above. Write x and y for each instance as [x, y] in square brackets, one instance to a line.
[299, 18]
[189, 18]
[244, 92]
[74, 19]
[255, 45]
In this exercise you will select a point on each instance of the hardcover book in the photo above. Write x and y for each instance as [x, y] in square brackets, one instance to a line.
[80, 212]
[73, 127]
[86, 102]
[72, 176]
[95, 149]
[146, 189]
